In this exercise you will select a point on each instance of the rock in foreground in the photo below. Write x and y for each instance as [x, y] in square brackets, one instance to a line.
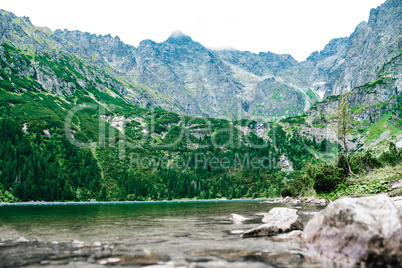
[364, 231]
[280, 220]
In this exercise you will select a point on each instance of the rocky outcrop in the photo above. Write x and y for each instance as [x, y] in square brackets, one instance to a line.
[278, 221]
[364, 231]
[346, 63]
[366, 63]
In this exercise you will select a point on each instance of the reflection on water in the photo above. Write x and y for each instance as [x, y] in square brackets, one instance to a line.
[174, 229]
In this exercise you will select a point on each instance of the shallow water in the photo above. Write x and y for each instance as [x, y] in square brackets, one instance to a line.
[179, 230]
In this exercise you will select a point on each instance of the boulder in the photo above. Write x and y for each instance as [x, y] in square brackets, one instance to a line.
[238, 219]
[278, 221]
[274, 228]
[277, 214]
[363, 231]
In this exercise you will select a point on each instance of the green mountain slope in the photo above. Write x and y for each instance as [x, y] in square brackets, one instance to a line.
[124, 151]
[88, 117]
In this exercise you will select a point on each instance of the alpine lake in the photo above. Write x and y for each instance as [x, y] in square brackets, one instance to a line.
[176, 233]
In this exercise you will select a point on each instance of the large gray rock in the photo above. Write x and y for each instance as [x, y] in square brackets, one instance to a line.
[279, 221]
[365, 231]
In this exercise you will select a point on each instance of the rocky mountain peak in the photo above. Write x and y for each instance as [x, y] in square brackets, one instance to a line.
[179, 38]
[146, 42]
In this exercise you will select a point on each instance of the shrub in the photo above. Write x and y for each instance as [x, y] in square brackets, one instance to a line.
[364, 162]
[287, 191]
[300, 183]
[326, 177]
[391, 157]
[342, 165]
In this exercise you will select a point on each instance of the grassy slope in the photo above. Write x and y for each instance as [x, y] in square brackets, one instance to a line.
[374, 182]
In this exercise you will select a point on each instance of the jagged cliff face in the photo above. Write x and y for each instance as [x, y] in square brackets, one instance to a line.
[183, 76]
[367, 63]
[346, 63]
[189, 75]
[229, 84]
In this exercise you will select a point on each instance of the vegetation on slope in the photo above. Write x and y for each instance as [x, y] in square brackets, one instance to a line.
[114, 150]
[155, 155]
[370, 175]
[351, 174]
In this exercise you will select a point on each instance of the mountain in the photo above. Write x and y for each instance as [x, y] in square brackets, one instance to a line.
[346, 63]
[181, 75]
[71, 127]
[367, 66]
[86, 116]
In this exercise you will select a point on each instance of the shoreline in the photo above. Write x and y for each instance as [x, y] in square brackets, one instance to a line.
[77, 203]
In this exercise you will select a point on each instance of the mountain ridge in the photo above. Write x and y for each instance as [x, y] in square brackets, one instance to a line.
[181, 75]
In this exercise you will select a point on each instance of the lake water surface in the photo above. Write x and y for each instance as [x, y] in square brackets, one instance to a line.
[190, 233]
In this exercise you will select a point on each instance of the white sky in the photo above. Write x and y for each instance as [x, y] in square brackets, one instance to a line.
[296, 27]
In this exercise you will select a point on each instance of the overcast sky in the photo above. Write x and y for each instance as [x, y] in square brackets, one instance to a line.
[294, 27]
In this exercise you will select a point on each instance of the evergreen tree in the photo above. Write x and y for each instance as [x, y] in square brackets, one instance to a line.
[344, 125]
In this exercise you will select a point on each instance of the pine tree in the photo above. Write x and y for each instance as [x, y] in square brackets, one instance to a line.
[344, 125]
